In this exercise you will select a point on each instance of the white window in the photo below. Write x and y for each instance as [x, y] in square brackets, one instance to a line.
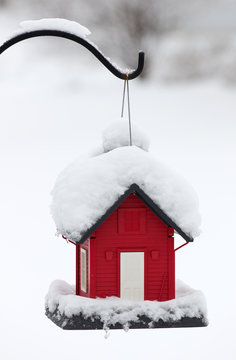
[83, 270]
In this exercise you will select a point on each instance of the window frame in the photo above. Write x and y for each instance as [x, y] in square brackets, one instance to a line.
[83, 270]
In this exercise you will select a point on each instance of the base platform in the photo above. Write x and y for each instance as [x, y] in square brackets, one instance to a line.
[80, 322]
[73, 312]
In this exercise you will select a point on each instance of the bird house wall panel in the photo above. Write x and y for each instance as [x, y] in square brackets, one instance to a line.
[171, 267]
[109, 241]
[157, 280]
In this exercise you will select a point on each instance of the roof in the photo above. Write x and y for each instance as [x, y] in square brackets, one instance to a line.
[90, 188]
[134, 189]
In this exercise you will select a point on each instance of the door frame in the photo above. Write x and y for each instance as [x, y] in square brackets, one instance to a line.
[144, 250]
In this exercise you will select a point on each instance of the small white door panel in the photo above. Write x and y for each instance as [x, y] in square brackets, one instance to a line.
[132, 276]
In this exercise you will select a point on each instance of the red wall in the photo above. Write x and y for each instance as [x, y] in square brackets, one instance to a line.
[114, 236]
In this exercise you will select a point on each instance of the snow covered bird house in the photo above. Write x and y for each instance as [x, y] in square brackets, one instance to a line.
[120, 208]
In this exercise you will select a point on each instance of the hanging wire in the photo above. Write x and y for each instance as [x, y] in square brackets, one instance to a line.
[126, 86]
[130, 130]
[123, 99]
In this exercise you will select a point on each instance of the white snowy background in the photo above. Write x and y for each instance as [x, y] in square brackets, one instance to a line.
[53, 104]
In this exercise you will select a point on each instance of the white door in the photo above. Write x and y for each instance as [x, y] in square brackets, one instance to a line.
[132, 276]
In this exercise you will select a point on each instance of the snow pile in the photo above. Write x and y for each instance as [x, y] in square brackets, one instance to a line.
[69, 26]
[111, 310]
[117, 135]
[87, 188]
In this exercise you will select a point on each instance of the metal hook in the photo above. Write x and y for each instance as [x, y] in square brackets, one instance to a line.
[63, 34]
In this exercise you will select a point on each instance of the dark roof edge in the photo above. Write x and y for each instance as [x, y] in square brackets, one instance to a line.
[160, 213]
[134, 188]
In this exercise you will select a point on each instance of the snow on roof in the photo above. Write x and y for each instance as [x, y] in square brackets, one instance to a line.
[88, 187]
[111, 310]
[117, 135]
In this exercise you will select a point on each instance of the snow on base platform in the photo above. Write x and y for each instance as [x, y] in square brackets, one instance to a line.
[72, 312]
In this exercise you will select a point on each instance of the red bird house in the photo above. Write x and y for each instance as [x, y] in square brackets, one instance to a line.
[129, 253]
[121, 208]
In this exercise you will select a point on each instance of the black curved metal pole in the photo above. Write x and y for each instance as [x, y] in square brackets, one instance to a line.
[63, 34]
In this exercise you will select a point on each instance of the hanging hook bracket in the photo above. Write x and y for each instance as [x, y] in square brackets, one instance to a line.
[88, 45]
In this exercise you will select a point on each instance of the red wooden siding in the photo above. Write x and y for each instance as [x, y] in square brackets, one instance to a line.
[131, 221]
[147, 233]
[171, 267]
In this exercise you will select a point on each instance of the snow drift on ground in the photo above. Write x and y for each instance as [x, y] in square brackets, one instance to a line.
[88, 187]
[111, 310]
